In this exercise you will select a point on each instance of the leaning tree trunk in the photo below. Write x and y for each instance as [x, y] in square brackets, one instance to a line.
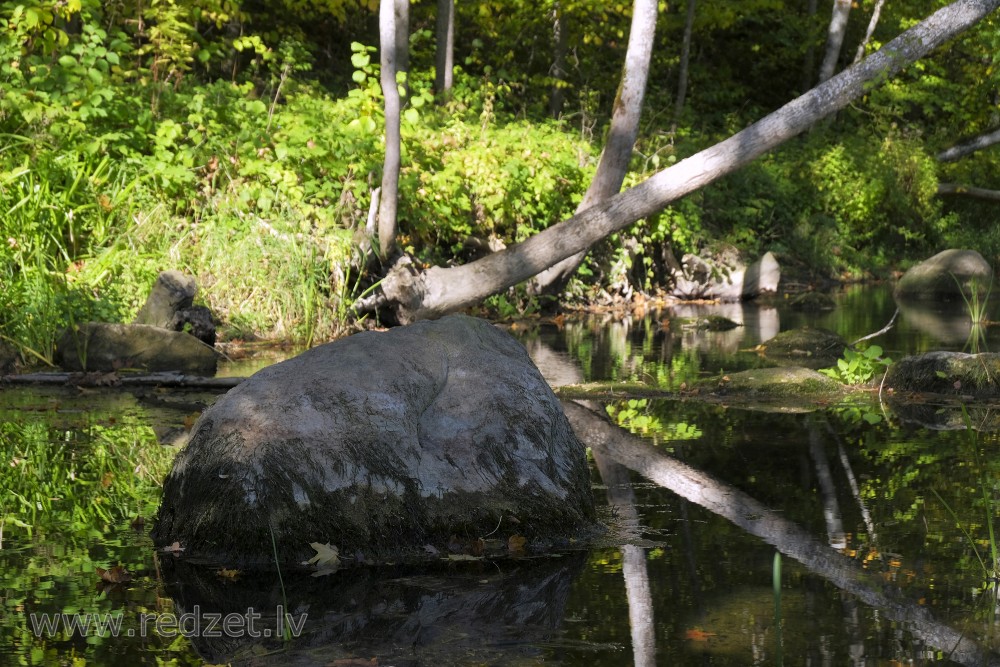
[835, 38]
[388, 24]
[415, 294]
[444, 57]
[624, 129]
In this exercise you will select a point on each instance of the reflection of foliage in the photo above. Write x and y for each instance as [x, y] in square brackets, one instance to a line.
[641, 416]
[77, 480]
[69, 492]
[858, 367]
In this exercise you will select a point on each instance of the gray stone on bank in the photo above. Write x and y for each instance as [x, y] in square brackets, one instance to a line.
[102, 346]
[172, 291]
[380, 442]
[947, 276]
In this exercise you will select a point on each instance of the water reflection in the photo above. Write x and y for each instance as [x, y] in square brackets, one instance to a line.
[770, 526]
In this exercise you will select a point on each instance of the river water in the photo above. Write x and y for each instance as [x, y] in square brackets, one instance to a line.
[857, 534]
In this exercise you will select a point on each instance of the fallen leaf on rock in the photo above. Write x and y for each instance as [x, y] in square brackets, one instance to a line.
[116, 575]
[516, 543]
[327, 555]
[174, 548]
[228, 574]
[697, 635]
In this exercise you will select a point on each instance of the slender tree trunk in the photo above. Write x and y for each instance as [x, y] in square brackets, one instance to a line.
[624, 128]
[414, 294]
[444, 64]
[835, 38]
[969, 147]
[388, 24]
[682, 69]
[402, 39]
[809, 63]
[560, 46]
[872, 24]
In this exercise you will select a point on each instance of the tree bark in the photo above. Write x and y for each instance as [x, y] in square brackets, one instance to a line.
[835, 38]
[682, 69]
[560, 45]
[969, 147]
[624, 129]
[416, 295]
[388, 24]
[872, 24]
[402, 39]
[968, 191]
[444, 63]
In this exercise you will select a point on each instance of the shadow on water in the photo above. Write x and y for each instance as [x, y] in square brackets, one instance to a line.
[879, 514]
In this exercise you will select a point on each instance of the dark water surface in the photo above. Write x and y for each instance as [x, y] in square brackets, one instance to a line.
[852, 535]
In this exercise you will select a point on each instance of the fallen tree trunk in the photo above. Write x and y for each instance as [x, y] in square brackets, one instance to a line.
[968, 191]
[969, 147]
[412, 294]
[176, 380]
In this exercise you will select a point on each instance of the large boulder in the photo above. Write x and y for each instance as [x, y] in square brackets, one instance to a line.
[380, 443]
[947, 276]
[100, 346]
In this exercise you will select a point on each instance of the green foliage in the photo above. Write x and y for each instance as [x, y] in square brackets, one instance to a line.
[858, 367]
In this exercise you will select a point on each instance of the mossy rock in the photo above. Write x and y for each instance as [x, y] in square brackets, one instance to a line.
[792, 382]
[948, 373]
[809, 347]
[812, 302]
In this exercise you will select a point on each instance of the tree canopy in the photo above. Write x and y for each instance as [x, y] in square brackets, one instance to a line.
[243, 141]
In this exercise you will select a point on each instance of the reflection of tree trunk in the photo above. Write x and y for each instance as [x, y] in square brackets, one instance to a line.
[682, 69]
[640, 597]
[866, 516]
[835, 38]
[560, 45]
[769, 525]
[828, 491]
[559, 370]
[444, 63]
